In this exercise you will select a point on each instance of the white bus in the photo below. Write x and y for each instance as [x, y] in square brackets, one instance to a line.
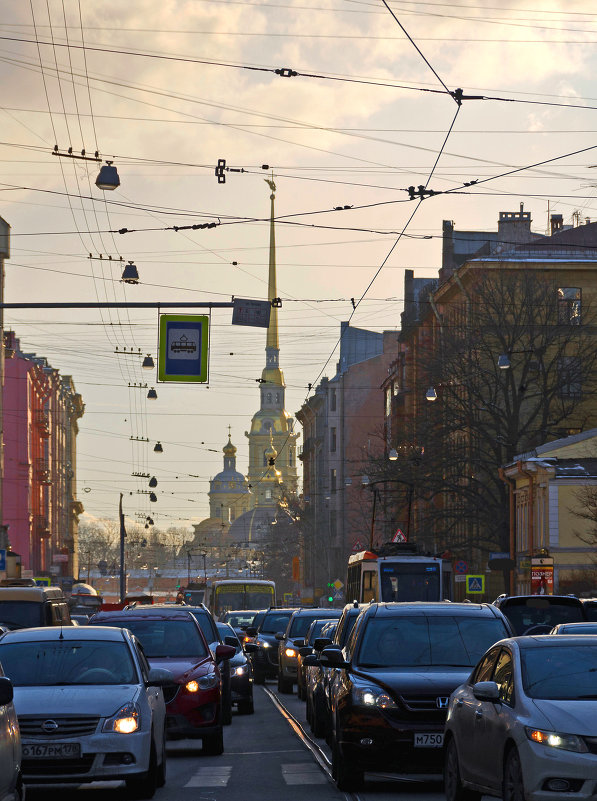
[226, 595]
[400, 576]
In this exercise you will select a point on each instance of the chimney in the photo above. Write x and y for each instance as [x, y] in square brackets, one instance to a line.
[514, 227]
[557, 223]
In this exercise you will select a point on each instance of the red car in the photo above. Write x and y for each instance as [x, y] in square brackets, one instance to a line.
[172, 639]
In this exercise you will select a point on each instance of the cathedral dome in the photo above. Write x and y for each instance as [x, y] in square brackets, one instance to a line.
[229, 479]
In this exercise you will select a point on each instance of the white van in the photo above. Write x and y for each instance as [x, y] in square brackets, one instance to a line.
[26, 607]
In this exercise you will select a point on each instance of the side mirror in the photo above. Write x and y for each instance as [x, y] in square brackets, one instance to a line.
[251, 648]
[320, 643]
[279, 635]
[311, 661]
[230, 640]
[224, 652]
[305, 650]
[299, 643]
[250, 631]
[159, 677]
[486, 691]
[6, 691]
[333, 657]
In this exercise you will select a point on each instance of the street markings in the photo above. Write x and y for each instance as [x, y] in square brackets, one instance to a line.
[208, 776]
[303, 773]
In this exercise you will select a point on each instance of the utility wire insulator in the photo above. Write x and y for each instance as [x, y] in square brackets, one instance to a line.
[286, 72]
[458, 96]
[219, 172]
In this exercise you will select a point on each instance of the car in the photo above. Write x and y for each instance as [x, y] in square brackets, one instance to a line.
[524, 724]
[172, 639]
[89, 706]
[11, 779]
[241, 672]
[322, 630]
[590, 607]
[263, 650]
[24, 605]
[575, 628]
[395, 676]
[240, 619]
[293, 639]
[538, 614]
[320, 678]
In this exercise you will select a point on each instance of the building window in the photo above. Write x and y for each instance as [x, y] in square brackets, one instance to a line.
[269, 397]
[333, 440]
[218, 511]
[570, 377]
[268, 495]
[569, 305]
[332, 400]
[333, 480]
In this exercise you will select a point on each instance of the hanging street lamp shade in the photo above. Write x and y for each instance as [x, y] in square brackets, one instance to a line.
[130, 274]
[158, 448]
[153, 482]
[152, 394]
[148, 363]
[153, 497]
[503, 361]
[107, 177]
[431, 394]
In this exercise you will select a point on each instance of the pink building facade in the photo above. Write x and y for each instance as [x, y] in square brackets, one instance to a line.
[41, 409]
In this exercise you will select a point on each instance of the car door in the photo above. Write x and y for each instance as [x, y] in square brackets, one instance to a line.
[497, 721]
[154, 697]
[467, 717]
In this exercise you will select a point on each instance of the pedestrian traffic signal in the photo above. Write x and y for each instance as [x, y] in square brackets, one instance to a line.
[330, 599]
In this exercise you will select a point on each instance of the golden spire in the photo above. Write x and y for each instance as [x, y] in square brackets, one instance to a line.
[272, 331]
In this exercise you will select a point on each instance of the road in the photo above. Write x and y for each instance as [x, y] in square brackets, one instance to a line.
[269, 756]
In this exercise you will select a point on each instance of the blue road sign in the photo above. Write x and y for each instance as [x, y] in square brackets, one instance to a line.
[460, 566]
[475, 585]
[184, 348]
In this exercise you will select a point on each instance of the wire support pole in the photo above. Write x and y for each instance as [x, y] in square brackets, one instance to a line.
[120, 305]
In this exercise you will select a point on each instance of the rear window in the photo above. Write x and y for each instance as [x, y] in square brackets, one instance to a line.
[21, 614]
[274, 623]
[560, 673]
[163, 639]
[418, 640]
[524, 613]
[67, 662]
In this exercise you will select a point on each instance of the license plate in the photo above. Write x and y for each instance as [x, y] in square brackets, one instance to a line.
[428, 740]
[52, 751]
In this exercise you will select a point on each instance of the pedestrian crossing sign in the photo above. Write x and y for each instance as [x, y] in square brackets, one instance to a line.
[475, 585]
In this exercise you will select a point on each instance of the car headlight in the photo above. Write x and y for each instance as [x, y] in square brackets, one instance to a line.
[290, 652]
[555, 739]
[192, 686]
[240, 671]
[207, 682]
[372, 697]
[262, 644]
[125, 721]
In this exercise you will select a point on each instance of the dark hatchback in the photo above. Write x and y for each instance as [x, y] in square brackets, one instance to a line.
[263, 650]
[538, 614]
[241, 672]
[395, 676]
[172, 638]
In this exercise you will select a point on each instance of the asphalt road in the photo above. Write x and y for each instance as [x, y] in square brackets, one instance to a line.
[268, 756]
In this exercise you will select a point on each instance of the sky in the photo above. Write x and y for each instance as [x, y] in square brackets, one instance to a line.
[165, 90]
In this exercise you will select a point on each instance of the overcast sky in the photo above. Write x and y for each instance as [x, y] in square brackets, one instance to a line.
[168, 88]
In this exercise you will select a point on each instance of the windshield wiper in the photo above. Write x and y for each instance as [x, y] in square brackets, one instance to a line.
[584, 697]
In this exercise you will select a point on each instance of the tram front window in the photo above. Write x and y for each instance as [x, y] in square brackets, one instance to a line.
[401, 581]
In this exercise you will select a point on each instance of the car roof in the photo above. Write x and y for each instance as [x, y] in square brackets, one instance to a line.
[393, 608]
[150, 612]
[542, 640]
[49, 633]
[319, 612]
[551, 599]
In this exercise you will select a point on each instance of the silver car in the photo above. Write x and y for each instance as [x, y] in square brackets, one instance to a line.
[11, 781]
[88, 705]
[524, 726]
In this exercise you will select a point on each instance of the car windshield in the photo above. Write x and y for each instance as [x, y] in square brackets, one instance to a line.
[66, 662]
[21, 614]
[239, 619]
[564, 673]
[166, 639]
[348, 627]
[274, 623]
[315, 630]
[579, 628]
[419, 640]
[300, 625]
[524, 613]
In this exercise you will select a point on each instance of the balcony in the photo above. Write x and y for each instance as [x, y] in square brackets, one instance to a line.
[42, 423]
[41, 527]
[42, 471]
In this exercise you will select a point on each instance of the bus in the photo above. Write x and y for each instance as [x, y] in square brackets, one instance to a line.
[225, 595]
[398, 573]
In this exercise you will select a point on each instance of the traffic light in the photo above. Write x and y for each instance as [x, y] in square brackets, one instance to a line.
[330, 586]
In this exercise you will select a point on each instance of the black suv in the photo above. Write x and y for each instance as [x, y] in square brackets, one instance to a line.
[294, 638]
[538, 614]
[396, 674]
[263, 651]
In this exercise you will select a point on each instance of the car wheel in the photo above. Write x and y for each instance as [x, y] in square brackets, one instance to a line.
[513, 786]
[346, 776]
[246, 707]
[284, 685]
[258, 677]
[161, 778]
[144, 786]
[213, 744]
[453, 783]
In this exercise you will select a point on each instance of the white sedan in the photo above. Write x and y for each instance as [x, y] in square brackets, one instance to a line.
[524, 726]
[89, 706]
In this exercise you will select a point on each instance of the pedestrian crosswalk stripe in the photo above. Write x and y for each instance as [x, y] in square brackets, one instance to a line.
[302, 773]
[209, 776]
